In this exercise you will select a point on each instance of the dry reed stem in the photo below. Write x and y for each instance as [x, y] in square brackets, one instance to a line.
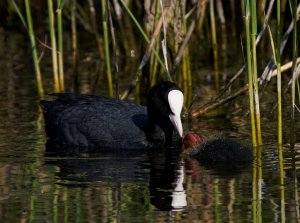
[266, 76]
[74, 46]
[285, 67]
[187, 38]
[114, 45]
[220, 100]
[145, 57]
[215, 104]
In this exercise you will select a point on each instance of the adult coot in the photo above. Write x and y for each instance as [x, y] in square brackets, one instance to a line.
[94, 123]
[216, 150]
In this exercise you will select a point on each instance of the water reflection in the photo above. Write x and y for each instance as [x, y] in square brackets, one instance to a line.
[163, 171]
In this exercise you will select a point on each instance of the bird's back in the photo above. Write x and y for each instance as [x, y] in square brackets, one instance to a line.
[224, 150]
[94, 122]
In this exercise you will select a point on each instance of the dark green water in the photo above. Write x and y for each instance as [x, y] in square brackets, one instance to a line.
[131, 187]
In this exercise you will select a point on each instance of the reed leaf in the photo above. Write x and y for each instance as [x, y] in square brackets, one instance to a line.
[53, 47]
[215, 45]
[16, 7]
[60, 45]
[293, 8]
[106, 47]
[254, 65]
[34, 50]
[278, 64]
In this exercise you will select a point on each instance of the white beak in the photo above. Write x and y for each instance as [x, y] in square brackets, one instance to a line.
[175, 99]
[176, 120]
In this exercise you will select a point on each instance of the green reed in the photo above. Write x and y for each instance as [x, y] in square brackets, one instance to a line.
[53, 46]
[74, 45]
[106, 47]
[33, 45]
[135, 21]
[60, 44]
[250, 73]
[253, 34]
[293, 7]
[153, 60]
[214, 44]
[34, 49]
[278, 64]
[186, 66]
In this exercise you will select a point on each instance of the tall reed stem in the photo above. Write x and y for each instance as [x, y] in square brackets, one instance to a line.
[142, 32]
[74, 46]
[106, 47]
[280, 153]
[254, 65]
[215, 44]
[294, 56]
[53, 46]
[60, 45]
[278, 63]
[249, 72]
[34, 50]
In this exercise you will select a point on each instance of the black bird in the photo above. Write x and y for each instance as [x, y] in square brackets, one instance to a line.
[221, 150]
[87, 123]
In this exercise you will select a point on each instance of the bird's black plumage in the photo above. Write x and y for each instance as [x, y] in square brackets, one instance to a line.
[224, 150]
[95, 123]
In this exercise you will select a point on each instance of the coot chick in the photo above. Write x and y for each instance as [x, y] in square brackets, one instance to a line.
[87, 123]
[216, 150]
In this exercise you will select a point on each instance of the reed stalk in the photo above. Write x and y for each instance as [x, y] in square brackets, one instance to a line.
[249, 72]
[153, 66]
[214, 44]
[60, 45]
[253, 18]
[142, 32]
[74, 46]
[186, 69]
[293, 6]
[53, 47]
[164, 41]
[34, 50]
[278, 63]
[153, 60]
[106, 47]
[202, 10]
[185, 56]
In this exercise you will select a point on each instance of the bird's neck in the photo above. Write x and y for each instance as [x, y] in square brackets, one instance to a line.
[159, 133]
